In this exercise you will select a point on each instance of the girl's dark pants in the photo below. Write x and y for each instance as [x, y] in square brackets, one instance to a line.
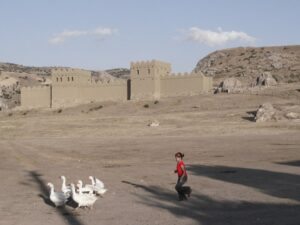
[182, 190]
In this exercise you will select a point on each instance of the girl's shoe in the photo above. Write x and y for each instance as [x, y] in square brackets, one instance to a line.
[189, 193]
[182, 198]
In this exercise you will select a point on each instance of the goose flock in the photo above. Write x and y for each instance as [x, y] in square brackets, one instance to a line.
[85, 196]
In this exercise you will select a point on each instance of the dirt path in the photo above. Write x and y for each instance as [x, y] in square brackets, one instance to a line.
[240, 172]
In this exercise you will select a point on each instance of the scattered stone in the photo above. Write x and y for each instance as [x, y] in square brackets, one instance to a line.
[25, 113]
[292, 115]
[153, 124]
[96, 108]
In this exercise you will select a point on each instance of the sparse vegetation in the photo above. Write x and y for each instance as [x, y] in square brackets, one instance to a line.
[146, 106]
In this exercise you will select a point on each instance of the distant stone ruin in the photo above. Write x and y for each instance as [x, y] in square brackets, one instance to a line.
[149, 80]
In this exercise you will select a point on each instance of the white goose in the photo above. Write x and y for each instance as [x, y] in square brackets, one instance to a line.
[98, 186]
[58, 198]
[65, 188]
[87, 189]
[83, 200]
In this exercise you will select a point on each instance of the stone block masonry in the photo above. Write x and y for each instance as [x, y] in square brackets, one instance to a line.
[149, 80]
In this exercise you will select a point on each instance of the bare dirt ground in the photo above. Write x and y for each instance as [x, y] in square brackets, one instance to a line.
[241, 172]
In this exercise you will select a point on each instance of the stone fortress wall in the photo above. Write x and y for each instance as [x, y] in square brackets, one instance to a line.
[36, 97]
[153, 79]
[148, 80]
[73, 86]
[185, 84]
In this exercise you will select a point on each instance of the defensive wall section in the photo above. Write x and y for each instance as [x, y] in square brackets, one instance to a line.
[64, 95]
[36, 97]
[71, 87]
[184, 84]
[145, 79]
[153, 79]
[148, 80]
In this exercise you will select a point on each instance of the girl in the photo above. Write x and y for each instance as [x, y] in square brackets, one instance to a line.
[183, 191]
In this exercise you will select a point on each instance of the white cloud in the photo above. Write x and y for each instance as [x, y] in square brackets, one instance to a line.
[214, 38]
[99, 32]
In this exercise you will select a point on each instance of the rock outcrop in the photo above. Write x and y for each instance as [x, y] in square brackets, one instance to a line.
[230, 85]
[265, 79]
[246, 63]
[102, 76]
[122, 73]
[265, 112]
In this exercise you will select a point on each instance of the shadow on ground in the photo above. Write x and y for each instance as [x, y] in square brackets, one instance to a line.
[277, 184]
[251, 116]
[206, 210]
[290, 163]
[64, 212]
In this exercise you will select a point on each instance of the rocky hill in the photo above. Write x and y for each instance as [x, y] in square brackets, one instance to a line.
[46, 71]
[246, 64]
[119, 73]
[16, 68]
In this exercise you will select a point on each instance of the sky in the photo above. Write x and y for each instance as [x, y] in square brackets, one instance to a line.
[100, 35]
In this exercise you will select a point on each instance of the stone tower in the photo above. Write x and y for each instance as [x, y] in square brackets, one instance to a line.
[67, 85]
[70, 77]
[146, 77]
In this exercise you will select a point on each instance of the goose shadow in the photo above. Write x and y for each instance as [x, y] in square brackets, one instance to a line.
[46, 200]
[64, 212]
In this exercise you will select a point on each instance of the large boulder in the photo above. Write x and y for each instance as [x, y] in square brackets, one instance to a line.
[265, 79]
[230, 85]
[266, 112]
